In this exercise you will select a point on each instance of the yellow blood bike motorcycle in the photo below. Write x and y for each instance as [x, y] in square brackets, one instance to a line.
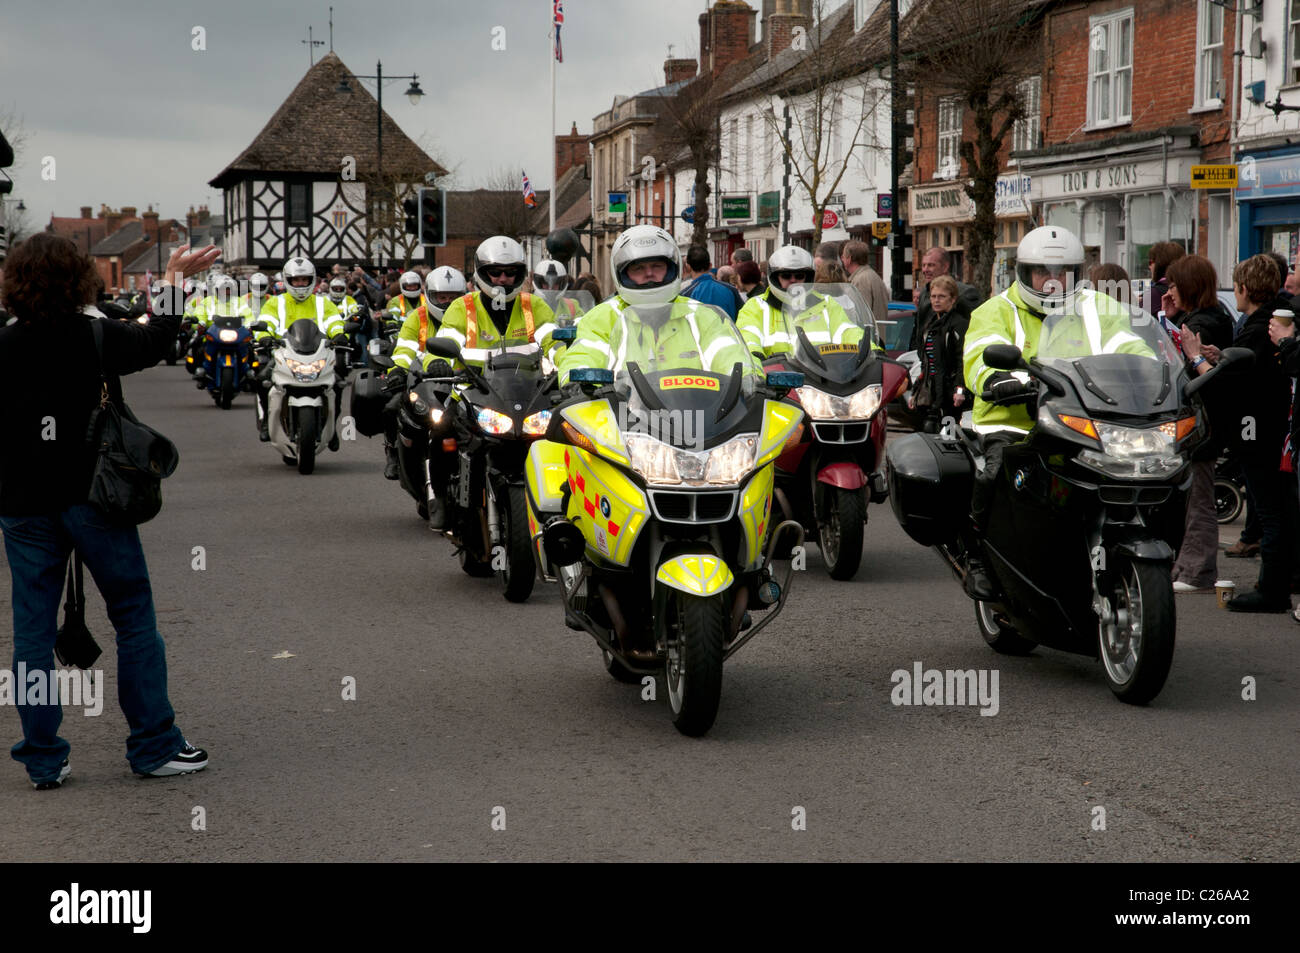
[650, 500]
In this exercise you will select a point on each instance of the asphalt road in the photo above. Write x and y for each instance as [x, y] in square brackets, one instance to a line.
[470, 709]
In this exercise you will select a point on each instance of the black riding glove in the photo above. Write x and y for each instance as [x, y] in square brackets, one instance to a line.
[340, 339]
[439, 369]
[1005, 390]
[395, 381]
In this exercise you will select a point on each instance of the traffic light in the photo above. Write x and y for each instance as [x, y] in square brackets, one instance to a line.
[412, 216]
[433, 219]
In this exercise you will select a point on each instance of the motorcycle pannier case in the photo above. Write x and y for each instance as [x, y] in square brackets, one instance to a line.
[368, 401]
[929, 486]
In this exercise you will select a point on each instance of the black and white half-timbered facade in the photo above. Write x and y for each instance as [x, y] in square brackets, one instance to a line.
[307, 185]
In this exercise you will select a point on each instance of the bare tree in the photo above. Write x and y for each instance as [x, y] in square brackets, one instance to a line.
[689, 124]
[501, 209]
[980, 51]
[830, 106]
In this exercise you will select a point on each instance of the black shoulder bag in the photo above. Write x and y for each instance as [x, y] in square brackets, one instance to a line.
[131, 458]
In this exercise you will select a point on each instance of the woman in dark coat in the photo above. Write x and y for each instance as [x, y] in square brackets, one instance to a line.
[1161, 256]
[1192, 304]
[49, 386]
[940, 388]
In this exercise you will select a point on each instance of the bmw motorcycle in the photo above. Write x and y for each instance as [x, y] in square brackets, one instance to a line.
[826, 480]
[1088, 509]
[651, 503]
[227, 360]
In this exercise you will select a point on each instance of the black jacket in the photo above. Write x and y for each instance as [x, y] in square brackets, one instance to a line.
[936, 389]
[968, 299]
[1214, 326]
[1263, 392]
[49, 384]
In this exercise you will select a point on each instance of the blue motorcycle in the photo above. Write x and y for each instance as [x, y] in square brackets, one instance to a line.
[227, 349]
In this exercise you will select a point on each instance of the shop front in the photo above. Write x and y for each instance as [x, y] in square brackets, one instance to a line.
[1268, 202]
[1119, 208]
[940, 215]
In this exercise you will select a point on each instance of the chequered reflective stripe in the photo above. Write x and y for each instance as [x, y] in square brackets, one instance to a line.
[578, 485]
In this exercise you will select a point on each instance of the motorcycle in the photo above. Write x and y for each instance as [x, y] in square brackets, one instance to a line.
[227, 360]
[1081, 518]
[497, 414]
[302, 401]
[826, 480]
[651, 503]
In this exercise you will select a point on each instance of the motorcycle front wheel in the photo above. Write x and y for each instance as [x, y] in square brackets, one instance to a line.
[307, 441]
[841, 533]
[696, 628]
[521, 572]
[227, 389]
[1136, 630]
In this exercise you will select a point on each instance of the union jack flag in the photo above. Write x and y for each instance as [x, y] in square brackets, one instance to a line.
[558, 7]
[530, 197]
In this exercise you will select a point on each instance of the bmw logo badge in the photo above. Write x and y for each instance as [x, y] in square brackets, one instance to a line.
[1020, 479]
[604, 507]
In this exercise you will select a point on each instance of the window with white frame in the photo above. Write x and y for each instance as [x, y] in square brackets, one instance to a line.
[747, 160]
[949, 159]
[1209, 54]
[1293, 43]
[1025, 134]
[1110, 69]
[862, 9]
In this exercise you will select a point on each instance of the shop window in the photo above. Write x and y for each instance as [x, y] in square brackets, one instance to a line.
[948, 160]
[1013, 233]
[1025, 135]
[1110, 69]
[1209, 54]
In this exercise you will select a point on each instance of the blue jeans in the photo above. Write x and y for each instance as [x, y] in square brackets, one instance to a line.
[38, 548]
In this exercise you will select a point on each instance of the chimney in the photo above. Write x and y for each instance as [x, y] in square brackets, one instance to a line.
[85, 212]
[780, 24]
[112, 220]
[204, 215]
[151, 224]
[128, 211]
[570, 150]
[191, 218]
[103, 210]
[677, 70]
[726, 34]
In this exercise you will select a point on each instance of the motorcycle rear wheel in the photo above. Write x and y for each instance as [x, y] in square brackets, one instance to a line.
[1136, 642]
[521, 571]
[307, 441]
[1227, 501]
[998, 631]
[227, 389]
[697, 627]
[841, 534]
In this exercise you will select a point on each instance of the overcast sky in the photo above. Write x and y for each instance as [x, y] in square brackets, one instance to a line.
[133, 116]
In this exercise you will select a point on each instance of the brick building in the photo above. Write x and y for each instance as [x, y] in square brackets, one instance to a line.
[1134, 94]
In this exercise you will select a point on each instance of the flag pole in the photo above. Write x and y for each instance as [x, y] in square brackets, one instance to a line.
[551, 202]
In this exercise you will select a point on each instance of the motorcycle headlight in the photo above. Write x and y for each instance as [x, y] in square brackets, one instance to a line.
[418, 404]
[143, 319]
[1130, 453]
[305, 370]
[663, 464]
[493, 422]
[823, 406]
[229, 336]
[535, 425]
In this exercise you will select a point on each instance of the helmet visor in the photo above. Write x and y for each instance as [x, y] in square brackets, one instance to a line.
[1053, 283]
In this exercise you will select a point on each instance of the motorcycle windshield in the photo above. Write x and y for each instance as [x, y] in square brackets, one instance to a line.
[567, 306]
[648, 341]
[831, 330]
[514, 372]
[1120, 359]
[227, 322]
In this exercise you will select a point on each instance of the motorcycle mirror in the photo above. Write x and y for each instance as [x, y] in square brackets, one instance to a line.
[259, 326]
[381, 360]
[1227, 358]
[591, 375]
[566, 335]
[1003, 357]
[442, 347]
[351, 327]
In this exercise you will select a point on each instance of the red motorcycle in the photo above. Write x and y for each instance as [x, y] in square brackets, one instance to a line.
[826, 477]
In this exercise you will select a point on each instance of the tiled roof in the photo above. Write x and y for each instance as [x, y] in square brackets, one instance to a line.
[148, 259]
[78, 229]
[120, 240]
[316, 126]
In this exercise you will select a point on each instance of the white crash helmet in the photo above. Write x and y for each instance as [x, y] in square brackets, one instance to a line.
[549, 275]
[299, 268]
[258, 283]
[1061, 253]
[646, 243]
[445, 280]
[411, 285]
[338, 290]
[500, 252]
[224, 287]
[789, 259]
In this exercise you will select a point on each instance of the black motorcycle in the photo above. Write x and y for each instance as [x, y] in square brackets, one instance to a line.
[1229, 489]
[1087, 510]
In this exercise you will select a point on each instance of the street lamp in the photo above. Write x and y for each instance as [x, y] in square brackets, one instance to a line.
[413, 93]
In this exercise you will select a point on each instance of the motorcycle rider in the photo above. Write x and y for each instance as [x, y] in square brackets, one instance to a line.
[410, 297]
[338, 293]
[258, 293]
[647, 268]
[1049, 263]
[279, 312]
[550, 280]
[224, 302]
[444, 285]
[765, 319]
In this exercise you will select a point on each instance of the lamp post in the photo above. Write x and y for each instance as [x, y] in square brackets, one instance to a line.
[413, 93]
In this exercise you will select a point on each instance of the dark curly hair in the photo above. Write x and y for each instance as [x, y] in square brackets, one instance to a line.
[46, 276]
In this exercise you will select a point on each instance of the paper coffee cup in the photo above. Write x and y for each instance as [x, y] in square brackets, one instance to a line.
[1284, 317]
[1224, 590]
